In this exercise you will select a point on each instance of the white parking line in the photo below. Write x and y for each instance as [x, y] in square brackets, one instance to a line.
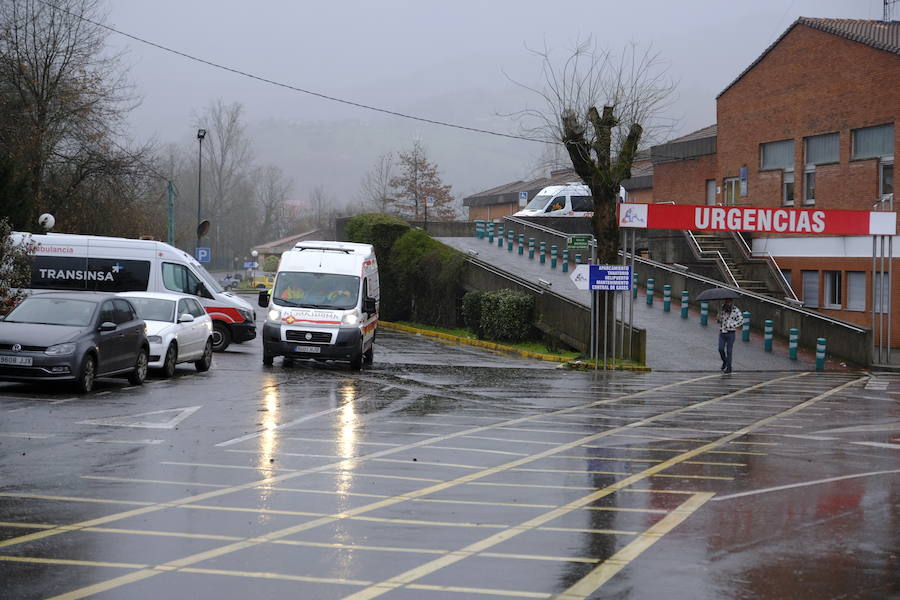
[805, 483]
[250, 436]
[37, 436]
[878, 445]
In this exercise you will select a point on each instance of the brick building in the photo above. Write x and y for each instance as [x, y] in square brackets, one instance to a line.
[809, 124]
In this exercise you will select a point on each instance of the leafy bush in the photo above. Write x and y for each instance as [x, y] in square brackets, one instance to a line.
[270, 264]
[471, 308]
[382, 231]
[506, 315]
[15, 267]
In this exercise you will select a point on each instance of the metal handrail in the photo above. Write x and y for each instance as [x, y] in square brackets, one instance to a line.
[699, 252]
[774, 269]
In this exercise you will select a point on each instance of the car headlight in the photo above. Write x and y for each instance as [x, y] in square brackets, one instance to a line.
[350, 319]
[154, 339]
[247, 314]
[274, 315]
[60, 350]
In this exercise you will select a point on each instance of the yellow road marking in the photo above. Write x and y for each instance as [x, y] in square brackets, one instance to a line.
[266, 575]
[326, 441]
[579, 530]
[472, 590]
[27, 525]
[410, 576]
[578, 471]
[575, 559]
[603, 573]
[137, 576]
[654, 491]
[657, 511]
[509, 440]
[464, 449]
[675, 476]
[66, 561]
[155, 481]
[74, 499]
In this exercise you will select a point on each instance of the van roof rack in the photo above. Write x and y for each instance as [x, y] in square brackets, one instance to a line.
[323, 248]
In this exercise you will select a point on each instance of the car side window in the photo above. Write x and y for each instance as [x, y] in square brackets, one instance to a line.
[108, 312]
[184, 306]
[124, 312]
[195, 308]
[179, 279]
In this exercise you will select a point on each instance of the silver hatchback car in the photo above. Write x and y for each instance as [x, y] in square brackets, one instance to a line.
[73, 336]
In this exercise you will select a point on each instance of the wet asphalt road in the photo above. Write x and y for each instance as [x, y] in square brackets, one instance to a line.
[447, 472]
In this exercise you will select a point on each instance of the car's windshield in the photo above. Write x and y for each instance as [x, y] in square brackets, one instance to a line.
[53, 311]
[316, 290]
[539, 202]
[208, 279]
[154, 309]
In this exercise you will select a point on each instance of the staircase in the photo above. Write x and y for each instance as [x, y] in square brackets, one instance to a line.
[715, 247]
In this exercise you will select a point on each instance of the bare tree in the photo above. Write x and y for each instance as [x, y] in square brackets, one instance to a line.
[418, 180]
[375, 188]
[64, 96]
[271, 198]
[633, 91]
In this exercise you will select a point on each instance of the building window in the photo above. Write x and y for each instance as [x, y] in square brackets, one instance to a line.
[832, 289]
[776, 155]
[856, 290]
[711, 192]
[873, 142]
[732, 191]
[810, 288]
[886, 178]
[787, 188]
[809, 186]
[823, 149]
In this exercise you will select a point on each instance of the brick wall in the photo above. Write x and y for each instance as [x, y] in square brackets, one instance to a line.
[683, 181]
[811, 83]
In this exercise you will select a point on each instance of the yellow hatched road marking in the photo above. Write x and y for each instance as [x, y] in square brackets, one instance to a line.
[155, 481]
[410, 576]
[186, 561]
[472, 590]
[67, 561]
[603, 573]
[575, 559]
[266, 575]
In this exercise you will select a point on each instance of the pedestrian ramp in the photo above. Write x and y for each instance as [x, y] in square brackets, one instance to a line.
[673, 343]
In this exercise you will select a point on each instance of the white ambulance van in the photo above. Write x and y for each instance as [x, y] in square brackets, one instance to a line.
[108, 264]
[569, 200]
[324, 304]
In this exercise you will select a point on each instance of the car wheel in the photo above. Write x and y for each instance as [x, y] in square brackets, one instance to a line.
[168, 368]
[139, 373]
[85, 381]
[205, 362]
[221, 336]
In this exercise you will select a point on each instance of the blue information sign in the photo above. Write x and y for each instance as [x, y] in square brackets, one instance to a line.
[610, 278]
[203, 255]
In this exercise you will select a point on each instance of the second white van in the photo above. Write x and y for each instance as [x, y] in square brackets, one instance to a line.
[109, 264]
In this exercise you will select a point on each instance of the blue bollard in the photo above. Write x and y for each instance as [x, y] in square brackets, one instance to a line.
[685, 303]
[490, 232]
[531, 248]
[745, 329]
[521, 244]
[510, 240]
[577, 259]
[553, 257]
[768, 333]
[793, 340]
[543, 253]
[704, 313]
[500, 236]
[479, 230]
[820, 354]
[667, 298]
[650, 286]
[565, 267]
[634, 286]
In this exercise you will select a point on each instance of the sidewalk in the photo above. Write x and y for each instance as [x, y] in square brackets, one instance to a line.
[673, 343]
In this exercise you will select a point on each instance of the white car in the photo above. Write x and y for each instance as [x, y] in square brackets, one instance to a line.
[178, 329]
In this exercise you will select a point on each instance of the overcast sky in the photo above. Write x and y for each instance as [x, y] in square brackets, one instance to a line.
[440, 60]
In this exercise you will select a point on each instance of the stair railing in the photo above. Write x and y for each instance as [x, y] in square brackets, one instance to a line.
[715, 255]
[774, 269]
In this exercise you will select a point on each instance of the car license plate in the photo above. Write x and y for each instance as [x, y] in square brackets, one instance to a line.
[310, 349]
[19, 361]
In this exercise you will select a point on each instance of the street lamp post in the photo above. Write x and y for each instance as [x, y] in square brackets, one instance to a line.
[253, 255]
[201, 133]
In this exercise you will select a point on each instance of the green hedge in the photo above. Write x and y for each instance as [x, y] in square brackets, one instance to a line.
[421, 279]
[501, 316]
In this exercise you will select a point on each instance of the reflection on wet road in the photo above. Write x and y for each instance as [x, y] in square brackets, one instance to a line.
[448, 472]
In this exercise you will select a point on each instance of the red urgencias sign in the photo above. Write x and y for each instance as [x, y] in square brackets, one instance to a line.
[746, 218]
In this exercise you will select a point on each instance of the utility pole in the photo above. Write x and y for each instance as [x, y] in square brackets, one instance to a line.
[171, 206]
[201, 133]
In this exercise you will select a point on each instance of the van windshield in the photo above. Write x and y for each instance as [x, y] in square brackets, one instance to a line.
[316, 290]
[208, 279]
[539, 202]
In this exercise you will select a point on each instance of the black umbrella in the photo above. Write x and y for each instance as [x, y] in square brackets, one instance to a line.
[718, 294]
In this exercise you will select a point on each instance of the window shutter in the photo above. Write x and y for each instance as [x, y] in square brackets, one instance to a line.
[821, 149]
[778, 155]
[873, 142]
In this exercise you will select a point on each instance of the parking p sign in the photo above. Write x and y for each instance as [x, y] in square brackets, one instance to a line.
[203, 255]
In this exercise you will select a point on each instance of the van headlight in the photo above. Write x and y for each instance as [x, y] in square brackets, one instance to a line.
[248, 315]
[274, 315]
[60, 350]
[350, 319]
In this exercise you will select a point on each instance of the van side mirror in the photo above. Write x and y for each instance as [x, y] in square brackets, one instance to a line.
[108, 326]
[263, 299]
[368, 305]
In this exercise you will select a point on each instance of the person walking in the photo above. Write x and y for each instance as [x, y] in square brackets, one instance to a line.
[729, 319]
